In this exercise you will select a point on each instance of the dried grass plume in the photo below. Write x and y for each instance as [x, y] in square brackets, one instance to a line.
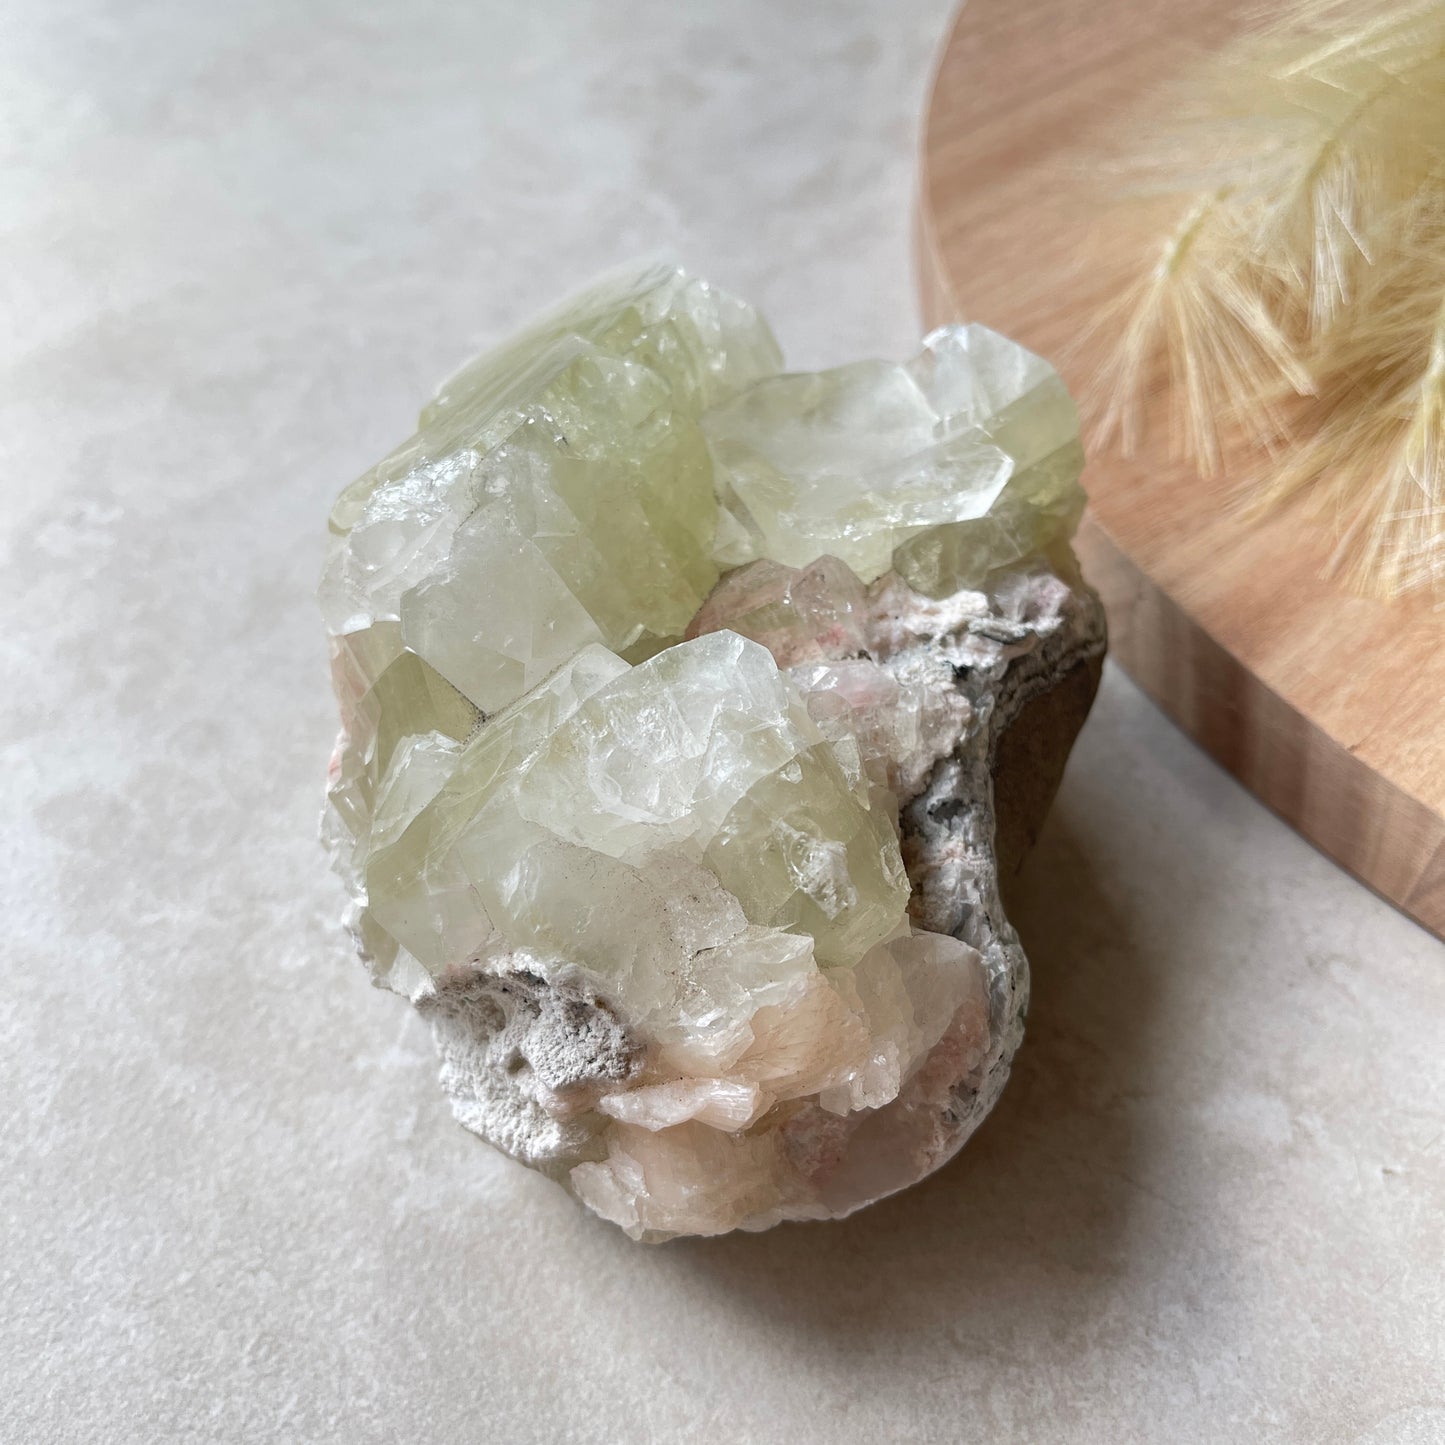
[1296, 301]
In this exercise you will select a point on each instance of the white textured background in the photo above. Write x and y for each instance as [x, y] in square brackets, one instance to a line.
[240, 242]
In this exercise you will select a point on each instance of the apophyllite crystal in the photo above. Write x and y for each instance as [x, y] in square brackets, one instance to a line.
[675, 695]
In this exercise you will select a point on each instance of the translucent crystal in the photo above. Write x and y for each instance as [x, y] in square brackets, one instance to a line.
[798, 614]
[707, 1154]
[820, 623]
[1039, 509]
[706, 752]
[984, 381]
[903, 721]
[557, 493]
[859, 460]
[386, 695]
[703, 342]
[640, 646]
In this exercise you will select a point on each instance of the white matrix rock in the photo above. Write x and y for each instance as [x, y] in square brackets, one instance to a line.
[676, 693]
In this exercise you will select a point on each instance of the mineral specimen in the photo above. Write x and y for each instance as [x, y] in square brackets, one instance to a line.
[674, 694]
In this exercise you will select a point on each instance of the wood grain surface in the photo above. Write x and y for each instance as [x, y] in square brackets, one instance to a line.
[1327, 705]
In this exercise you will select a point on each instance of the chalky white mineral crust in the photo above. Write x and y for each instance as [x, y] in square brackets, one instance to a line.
[673, 692]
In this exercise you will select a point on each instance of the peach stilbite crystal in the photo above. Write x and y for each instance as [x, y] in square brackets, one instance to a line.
[671, 690]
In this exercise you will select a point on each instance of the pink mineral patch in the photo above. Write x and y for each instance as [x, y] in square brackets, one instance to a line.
[800, 614]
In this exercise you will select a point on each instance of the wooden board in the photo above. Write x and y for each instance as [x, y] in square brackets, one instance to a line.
[1328, 705]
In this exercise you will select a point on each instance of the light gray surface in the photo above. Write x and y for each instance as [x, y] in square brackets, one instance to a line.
[240, 243]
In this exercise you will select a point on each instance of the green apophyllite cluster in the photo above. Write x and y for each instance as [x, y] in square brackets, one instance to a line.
[637, 647]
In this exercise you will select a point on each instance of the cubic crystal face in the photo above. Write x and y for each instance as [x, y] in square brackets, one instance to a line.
[669, 687]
